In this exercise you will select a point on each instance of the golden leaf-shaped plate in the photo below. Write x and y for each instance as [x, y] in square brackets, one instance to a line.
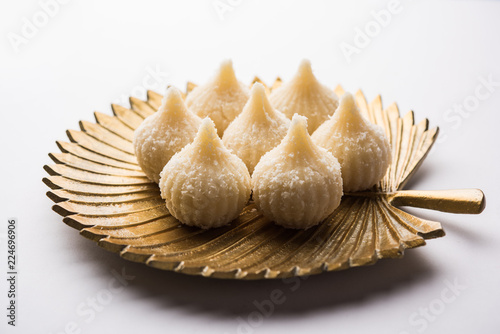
[101, 191]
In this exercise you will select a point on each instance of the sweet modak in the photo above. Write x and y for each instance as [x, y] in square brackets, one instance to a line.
[306, 96]
[361, 147]
[164, 133]
[221, 99]
[204, 184]
[258, 129]
[297, 184]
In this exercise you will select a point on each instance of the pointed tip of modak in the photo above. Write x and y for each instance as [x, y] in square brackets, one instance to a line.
[258, 103]
[207, 143]
[299, 120]
[305, 65]
[172, 100]
[298, 127]
[207, 133]
[297, 139]
[305, 72]
[347, 101]
[226, 76]
[258, 90]
[347, 105]
[207, 128]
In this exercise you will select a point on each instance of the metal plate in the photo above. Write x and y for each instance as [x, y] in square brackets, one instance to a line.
[101, 191]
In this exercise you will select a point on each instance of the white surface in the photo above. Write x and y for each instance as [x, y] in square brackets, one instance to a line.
[429, 57]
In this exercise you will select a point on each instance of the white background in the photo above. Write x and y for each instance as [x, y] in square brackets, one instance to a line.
[431, 56]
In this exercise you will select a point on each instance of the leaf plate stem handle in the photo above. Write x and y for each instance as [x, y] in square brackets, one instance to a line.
[469, 201]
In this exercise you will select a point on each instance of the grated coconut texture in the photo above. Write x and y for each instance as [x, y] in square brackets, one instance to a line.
[361, 147]
[205, 185]
[306, 96]
[164, 133]
[221, 99]
[258, 129]
[297, 184]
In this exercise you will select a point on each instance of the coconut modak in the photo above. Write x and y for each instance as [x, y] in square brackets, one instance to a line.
[306, 96]
[297, 184]
[361, 147]
[258, 129]
[164, 133]
[297, 179]
[221, 99]
[204, 184]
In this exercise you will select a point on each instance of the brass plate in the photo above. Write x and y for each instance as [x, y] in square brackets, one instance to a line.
[101, 191]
